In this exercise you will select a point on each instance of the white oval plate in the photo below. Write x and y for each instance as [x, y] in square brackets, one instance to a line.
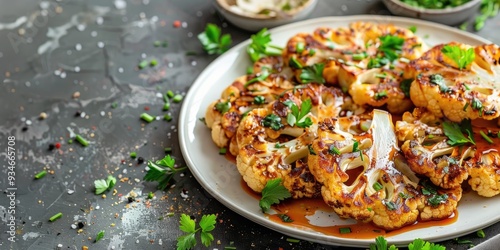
[221, 178]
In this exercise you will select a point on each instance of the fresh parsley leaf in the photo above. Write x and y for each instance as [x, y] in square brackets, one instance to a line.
[212, 41]
[287, 219]
[162, 171]
[188, 225]
[313, 73]
[259, 100]
[298, 116]
[462, 57]
[273, 193]
[261, 47]
[413, 29]
[437, 199]
[455, 135]
[103, 185]
[273, 121]
[391, 46]
[99, 236]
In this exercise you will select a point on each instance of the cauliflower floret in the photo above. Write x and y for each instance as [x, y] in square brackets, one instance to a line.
[359, 169]
[375, 87]
[446, 90]
[485, 172]
[428, 153]
[269, 149]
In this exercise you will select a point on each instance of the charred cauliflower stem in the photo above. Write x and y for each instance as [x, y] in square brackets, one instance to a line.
[313, 118]
[457, 81]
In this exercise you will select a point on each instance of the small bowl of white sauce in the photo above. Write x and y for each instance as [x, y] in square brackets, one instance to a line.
[253, 15]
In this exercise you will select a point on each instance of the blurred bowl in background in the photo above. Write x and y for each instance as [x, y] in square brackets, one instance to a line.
[253, 15]
[448, 16]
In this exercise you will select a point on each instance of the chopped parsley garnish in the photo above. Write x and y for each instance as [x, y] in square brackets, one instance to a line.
[439, 81]
[162, 171]
[273, 193]
[334, 150]
[285, 218]
[434, 198]
[313, 73]
[298, 117]
[437, 199]
[391, 46]
[380, 95]
[188, 226]
[259, 100]
[377, 186]
[103, 185]
[413, 29]
[405, 86]
[223, 107]
[273, 121]
[390, 205]
[480, 233]
[212, 41]
[260, 76]
[261, 47]
[311, 149]
[355, 148]
[462, 57]
[294, 63]
[455, 133]
[359, 56]
[486, 137]
[345, 230]
[299, 47]
[476, 104]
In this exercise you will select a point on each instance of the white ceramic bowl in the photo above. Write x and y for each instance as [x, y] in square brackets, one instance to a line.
[448, 16]
[255, 22]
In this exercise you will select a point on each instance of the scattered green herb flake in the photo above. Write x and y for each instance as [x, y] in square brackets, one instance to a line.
[166, 106]
[299, 47]
[437, 199]
[168, 150]
[311, 149]
[380, 95]
[462, 57]
[355, 148]
[480, 233]
[390, 205]
[114, 105]
[294, 63]
[153, 62]
[313, 73]
[143, 64]
[133, 155]
[167, 117]
[465, 106]
[292, 240]
[405, 86]
[229, 248]
[81, 140]
[151, 195]
[177, 98]
[403, 195]
[70, 141]
[359, 56]
[462, 241]
[285, 218]
[258, 100]
[40, 174]
[312, 52]
[278, 145]
[381, 76]
[249, 70]
[212, 41]
[157, 43]
[223, 107]
[476, 104]
[99, 236]
[391, 46]
[438, 80]
[162, 171]
[377, 186]
[413, 29]
[486, 137]
[273, 121]
[273, 193]
[334, 150]
[170, 94]
[260, 77]
[222, 151]
[55, 217]
[147, 117]
[463, 26]
[345, 230]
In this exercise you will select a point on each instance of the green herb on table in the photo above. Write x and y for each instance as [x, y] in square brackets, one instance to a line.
[212, 41]
[462, 57]
[273, 193]
[261, 47]
[188, 226]
[103, 185]
[162, 171]
[81, 140]
[55, 217]
[480, 233]
[40, 174]
[417, 244]
[147, 117]
[99, 236]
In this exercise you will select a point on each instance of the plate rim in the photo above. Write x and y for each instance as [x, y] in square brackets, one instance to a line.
[287, 230]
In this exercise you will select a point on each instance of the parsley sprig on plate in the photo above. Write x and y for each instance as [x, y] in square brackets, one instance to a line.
[462, 57]
[298, 116]
[261, 46]
[273, 193]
